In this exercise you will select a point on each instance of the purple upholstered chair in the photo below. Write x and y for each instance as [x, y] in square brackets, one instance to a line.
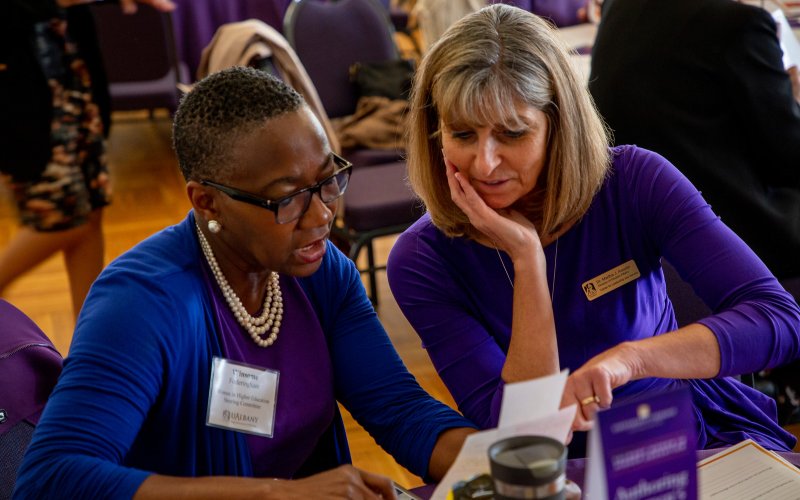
[29, 368]
[329, 37]
[140, 57]
[522, 4]
[561, 12]
[690, 308]
[687, 305]
[399, 17]
[378, 202]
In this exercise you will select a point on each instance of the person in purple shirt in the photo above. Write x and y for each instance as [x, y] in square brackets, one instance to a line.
[541, 247]
[212, 355]
[560, 12]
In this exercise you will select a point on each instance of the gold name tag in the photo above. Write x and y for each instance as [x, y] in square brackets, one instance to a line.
[610, 280]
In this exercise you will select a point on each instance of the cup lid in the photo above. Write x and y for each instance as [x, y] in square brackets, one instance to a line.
[528, 460]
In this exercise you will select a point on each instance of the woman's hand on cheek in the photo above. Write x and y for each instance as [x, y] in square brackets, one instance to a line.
[508, 230]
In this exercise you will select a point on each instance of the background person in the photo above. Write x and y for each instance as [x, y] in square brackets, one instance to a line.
[703, 83]
[249, 277]
[55, 103]
[526, 205]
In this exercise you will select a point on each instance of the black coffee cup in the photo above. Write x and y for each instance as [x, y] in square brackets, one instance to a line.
[531, 467]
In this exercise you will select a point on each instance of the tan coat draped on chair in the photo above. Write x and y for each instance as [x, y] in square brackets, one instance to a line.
[237, 44]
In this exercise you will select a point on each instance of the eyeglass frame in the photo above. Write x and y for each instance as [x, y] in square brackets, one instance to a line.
[273, 205]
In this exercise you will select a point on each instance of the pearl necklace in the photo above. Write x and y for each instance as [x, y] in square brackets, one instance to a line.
[272, 310]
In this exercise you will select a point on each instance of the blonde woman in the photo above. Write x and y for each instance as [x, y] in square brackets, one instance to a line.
[542, 247]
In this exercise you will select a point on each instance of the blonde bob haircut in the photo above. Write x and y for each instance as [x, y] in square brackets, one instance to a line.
[476, 74]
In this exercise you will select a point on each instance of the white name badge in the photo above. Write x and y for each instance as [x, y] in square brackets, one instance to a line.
[241, 397]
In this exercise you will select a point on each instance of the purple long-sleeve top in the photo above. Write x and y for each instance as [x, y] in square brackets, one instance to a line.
[457, 295]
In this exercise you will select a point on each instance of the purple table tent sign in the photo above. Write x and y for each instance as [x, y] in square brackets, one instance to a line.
[644, 449]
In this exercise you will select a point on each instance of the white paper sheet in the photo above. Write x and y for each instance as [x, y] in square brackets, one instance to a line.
[789, 43]
[580, 35]
[583, 65]
[473, 458]
[594, 483]
[747, 471]
[531, 399]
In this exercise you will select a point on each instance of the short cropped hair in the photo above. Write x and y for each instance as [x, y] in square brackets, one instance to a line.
[476, 74]
[221, 109]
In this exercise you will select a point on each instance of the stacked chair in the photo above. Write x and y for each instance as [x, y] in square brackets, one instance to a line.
[690, 308]
[329, 37]
[140, 57]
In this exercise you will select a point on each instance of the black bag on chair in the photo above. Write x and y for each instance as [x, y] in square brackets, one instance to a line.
[29, 359]
[390, 79]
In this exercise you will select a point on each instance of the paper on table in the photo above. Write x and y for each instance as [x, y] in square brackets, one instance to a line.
[578, 36]
[474, 459]
[582, 63]
[789, 43]
[595, 480]
[747, 471]
[531, 399]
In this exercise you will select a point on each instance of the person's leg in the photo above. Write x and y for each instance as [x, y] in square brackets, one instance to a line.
[84, 259]
[60, 209]
[83, 254]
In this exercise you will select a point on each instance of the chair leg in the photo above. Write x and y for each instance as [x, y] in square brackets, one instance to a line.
[355, 249]
[373, 281]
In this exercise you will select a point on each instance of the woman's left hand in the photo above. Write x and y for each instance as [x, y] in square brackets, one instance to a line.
[590, 387]
[508, 229]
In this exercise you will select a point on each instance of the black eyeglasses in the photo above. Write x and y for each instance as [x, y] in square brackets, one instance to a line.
[293, 206]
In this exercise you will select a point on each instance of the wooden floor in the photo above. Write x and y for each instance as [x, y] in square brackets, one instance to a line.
[148, 196]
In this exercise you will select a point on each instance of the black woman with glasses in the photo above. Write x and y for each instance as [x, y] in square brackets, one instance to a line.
[212, 355]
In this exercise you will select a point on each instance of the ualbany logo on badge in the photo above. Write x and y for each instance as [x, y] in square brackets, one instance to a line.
[242, 397]
[644, 449]
[611, 280]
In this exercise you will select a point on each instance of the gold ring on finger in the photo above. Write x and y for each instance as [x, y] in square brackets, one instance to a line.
[591, 399]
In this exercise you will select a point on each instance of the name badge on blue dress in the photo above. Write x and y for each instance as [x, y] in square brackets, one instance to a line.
[242, 397]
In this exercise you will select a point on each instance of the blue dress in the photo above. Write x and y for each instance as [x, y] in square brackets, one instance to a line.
[133, 396]
[456, 294]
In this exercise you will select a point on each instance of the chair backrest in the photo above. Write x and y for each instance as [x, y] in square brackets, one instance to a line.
[256, 44]
[329, 37]
[29, 359]
[792, 285]
[140, 57]
[522, 4]
[690, 308]
[687, 305]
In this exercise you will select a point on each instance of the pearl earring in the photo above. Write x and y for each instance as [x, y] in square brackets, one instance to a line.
[214, 226]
